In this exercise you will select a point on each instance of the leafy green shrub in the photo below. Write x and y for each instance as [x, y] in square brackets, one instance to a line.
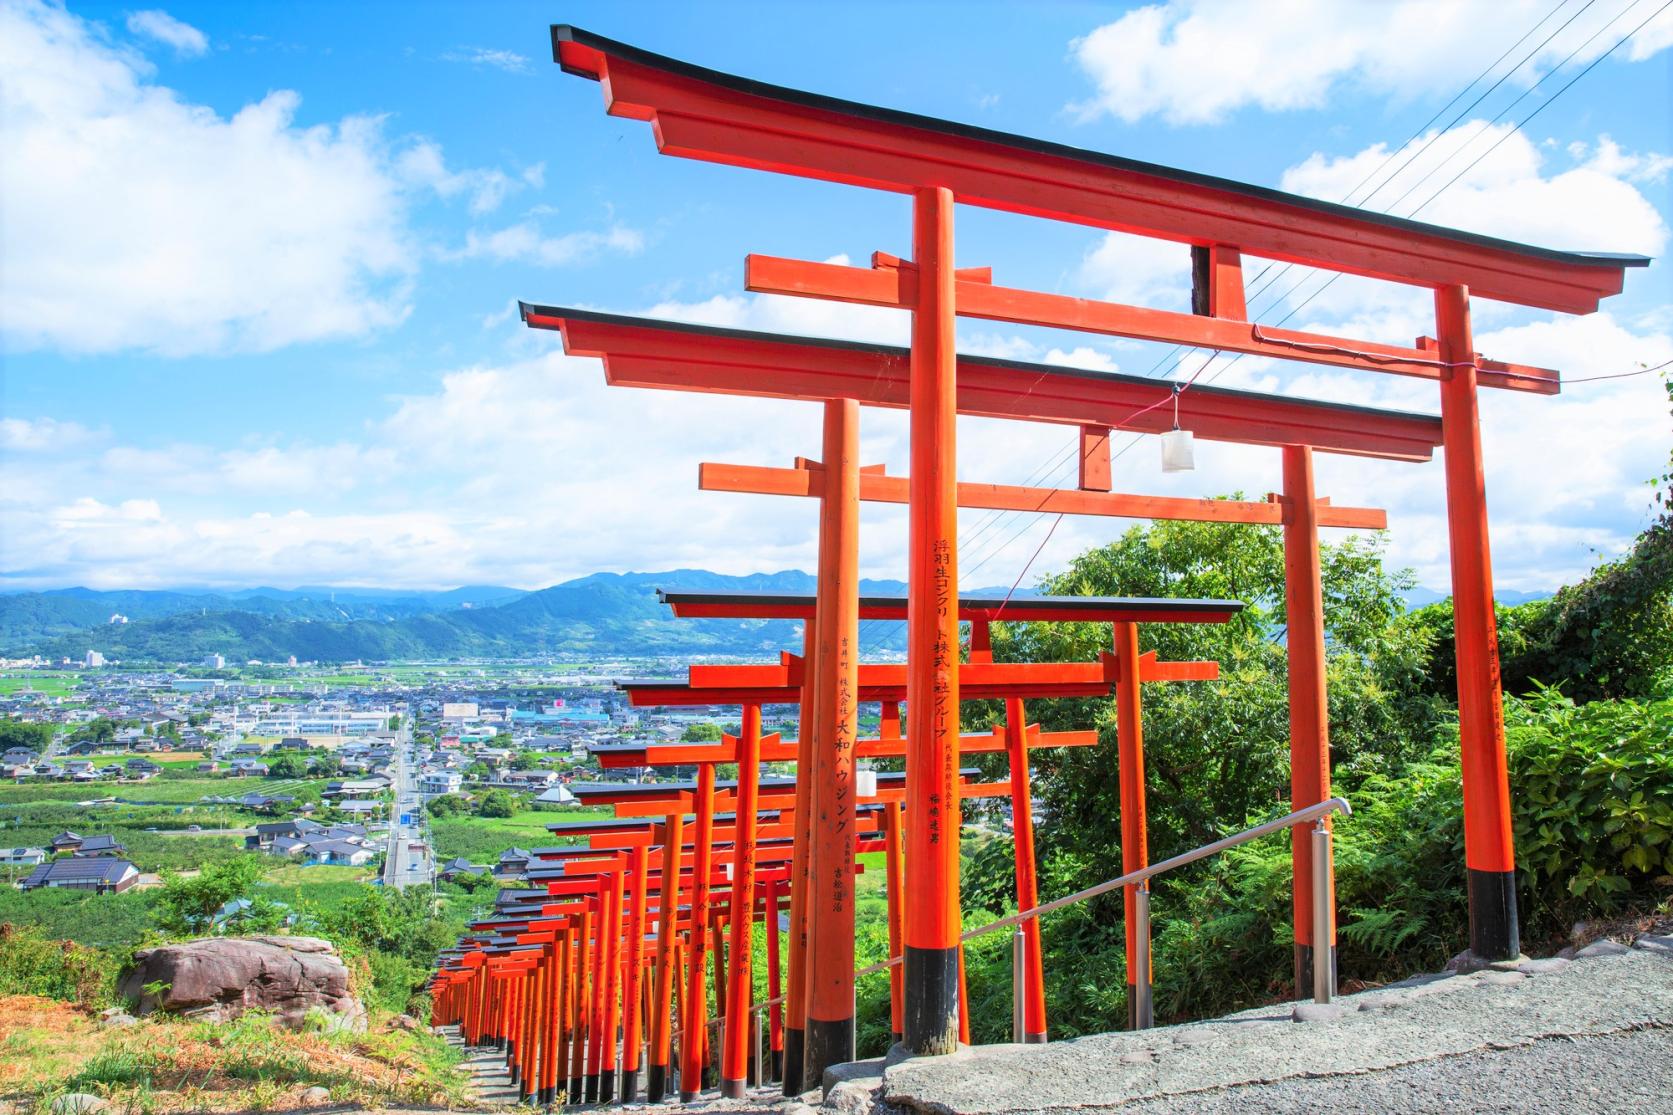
[1593, 794]
[31, 963]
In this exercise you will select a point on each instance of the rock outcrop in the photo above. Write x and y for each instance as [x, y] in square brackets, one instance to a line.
[219, 978]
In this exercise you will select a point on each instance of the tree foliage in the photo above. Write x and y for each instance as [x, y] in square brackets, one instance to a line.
[188, 904]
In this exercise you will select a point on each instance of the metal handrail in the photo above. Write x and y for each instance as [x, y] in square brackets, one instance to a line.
[1142, 875]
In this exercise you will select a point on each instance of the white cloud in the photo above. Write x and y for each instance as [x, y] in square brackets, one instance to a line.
[165, 29]
[525, 242]
[509, 61]
[423, 164]
[1196, 61]
[136, 219]
[43, 435]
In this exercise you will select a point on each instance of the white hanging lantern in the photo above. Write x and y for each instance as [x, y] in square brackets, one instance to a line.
[865, 783]
[1177, 454]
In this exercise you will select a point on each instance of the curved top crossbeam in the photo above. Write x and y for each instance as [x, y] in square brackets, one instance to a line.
[718, 117]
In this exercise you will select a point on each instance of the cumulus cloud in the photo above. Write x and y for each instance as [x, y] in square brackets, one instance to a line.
[527, 243]
[164, 28]
[1196, 61]
[136, 219]
[507, 60]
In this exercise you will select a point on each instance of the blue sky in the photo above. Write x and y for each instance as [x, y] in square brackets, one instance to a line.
[257, 263]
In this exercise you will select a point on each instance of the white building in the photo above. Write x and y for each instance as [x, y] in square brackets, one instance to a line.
[93, 659]
[440, 782]
[215, 661]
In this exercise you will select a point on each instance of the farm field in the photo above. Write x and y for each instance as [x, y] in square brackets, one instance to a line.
[164, 791]
[482, 839]
[53, 683]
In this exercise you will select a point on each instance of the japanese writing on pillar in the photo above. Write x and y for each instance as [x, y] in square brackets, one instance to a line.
[943, 715]
[843, 773]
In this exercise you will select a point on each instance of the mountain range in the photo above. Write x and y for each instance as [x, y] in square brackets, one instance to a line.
[601, 614]
[604, 614]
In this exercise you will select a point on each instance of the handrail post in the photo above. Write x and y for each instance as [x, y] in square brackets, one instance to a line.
[1019, 985]
[756, 1077]
[1144, 1017]
[1324, 970]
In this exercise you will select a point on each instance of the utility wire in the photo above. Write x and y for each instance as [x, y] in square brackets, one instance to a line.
[1201, 368]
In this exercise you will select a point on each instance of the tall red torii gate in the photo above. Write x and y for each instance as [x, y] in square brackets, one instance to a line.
[705, 114]
[657, 354]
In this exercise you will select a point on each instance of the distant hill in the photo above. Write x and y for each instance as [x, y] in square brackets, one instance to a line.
[601, 614]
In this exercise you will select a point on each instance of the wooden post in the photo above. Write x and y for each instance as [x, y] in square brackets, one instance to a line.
[1135, 850]
[639, 865]
[894, 880]
[1028, 889]
[696, 1010]
[775, 1013]
[829, 1039]
[795, 991]
[1489, 846]
[932, 692]
[736, 1052]
[668, 909]
[1309, 709]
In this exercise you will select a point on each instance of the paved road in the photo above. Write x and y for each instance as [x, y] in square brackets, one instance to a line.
[1592, 1036]
[402, 866]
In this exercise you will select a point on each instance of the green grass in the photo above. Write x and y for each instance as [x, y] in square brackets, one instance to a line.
[482, 839]
[51, 683]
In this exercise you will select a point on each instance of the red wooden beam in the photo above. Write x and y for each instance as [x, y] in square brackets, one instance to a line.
[887, 287]
[1019, 609]
[877, 488]
[644, 352]
[717, 117]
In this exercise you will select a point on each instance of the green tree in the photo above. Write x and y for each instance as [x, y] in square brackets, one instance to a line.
[24, 733]
[498, 803]
[447, 805]
[287, 766]
[188, 905]
[702, 732]
[395, 723]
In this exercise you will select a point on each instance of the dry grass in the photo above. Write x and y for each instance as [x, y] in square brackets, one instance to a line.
[48, 1048]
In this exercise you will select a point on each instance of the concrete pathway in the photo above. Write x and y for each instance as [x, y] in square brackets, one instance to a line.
[490, 1079]
[1595, 1034]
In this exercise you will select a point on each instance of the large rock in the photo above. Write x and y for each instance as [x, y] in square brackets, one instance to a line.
[219, 978]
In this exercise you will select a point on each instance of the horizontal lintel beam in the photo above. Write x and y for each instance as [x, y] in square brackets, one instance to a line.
[896, 288]
[875, 488]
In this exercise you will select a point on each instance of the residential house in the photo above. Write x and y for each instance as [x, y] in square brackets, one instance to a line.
[66, 841]
[22, 857]
[248, 768]
[455, 868]
[95, 846]
[530, 779]
[102, 875]
[557, 795]
[512, 863]
[142, 768]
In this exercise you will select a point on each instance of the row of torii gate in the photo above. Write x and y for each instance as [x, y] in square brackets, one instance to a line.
[602, 964]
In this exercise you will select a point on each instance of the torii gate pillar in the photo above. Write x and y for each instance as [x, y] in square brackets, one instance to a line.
[1309, 711]
[933, 924]
[1489, 852]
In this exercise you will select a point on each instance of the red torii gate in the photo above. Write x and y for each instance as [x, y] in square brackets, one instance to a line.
[1123, 614]
[708, 115]
[646, 353]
